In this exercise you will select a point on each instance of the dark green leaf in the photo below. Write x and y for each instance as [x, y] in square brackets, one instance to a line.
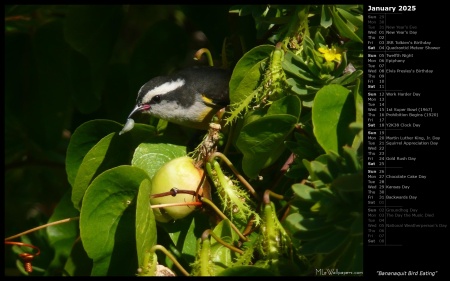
[82, 140]
[78, 263]
[259, 141]
[346, 183]
[357, 227]
[350, 260]
[326, 245]
[185, 232]
[62, 236]
[262, 140]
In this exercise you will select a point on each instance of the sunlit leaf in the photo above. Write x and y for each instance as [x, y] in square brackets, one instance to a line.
[108, 220]
[333, 111]
[145, 222]
[152, 156]
[243, 67]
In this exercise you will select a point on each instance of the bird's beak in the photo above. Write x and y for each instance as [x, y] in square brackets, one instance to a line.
[139, 108]
[130, 122]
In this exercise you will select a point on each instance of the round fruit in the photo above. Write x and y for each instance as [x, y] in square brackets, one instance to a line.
[181, 174]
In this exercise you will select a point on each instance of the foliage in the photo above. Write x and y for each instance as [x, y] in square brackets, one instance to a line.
[286, 193]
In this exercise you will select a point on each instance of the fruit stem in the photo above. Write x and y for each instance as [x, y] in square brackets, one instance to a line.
[212, 205]
[167, 253]
[268, 193]
[41, 227]
[205, 51]
[176, 204]
[219, 240]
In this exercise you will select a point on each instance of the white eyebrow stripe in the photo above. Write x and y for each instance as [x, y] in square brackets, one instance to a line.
[163, 89]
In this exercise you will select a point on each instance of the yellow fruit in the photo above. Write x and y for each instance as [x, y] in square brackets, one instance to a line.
[181, 174]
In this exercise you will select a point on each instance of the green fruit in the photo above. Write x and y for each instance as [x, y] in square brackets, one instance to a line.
[179, 173]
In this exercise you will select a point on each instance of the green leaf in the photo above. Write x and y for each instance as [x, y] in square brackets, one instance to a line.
[259, 140]
[346, 12]
[321, 171]
[347, 78]
[292, 68]
[325, 17]
[343, 28]
[111, 151]
[359, 105]
[357, 227]
[333, 111]
[145, 222]
[325, 245]
[262, 140]
[82, 140]
[303, 147]
[62, 236]
[185, 232]
[108, 221]
[305, 192]
[330, 260]
[245, 92]
[350, 155]
[286, 105]
[222, 256]
[246, 66]
[152, 156]
[350, 260]
[346, 183]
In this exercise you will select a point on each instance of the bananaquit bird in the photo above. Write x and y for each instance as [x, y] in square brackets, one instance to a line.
[189, 97]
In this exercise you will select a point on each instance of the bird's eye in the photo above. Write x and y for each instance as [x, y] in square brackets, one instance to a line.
[156, 99]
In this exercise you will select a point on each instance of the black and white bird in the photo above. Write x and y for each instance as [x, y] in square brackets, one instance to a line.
[189, 97]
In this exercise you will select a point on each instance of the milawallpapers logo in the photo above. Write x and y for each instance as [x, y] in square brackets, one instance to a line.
[334, 272]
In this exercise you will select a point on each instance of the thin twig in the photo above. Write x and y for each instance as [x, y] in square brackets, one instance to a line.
[41, 227]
